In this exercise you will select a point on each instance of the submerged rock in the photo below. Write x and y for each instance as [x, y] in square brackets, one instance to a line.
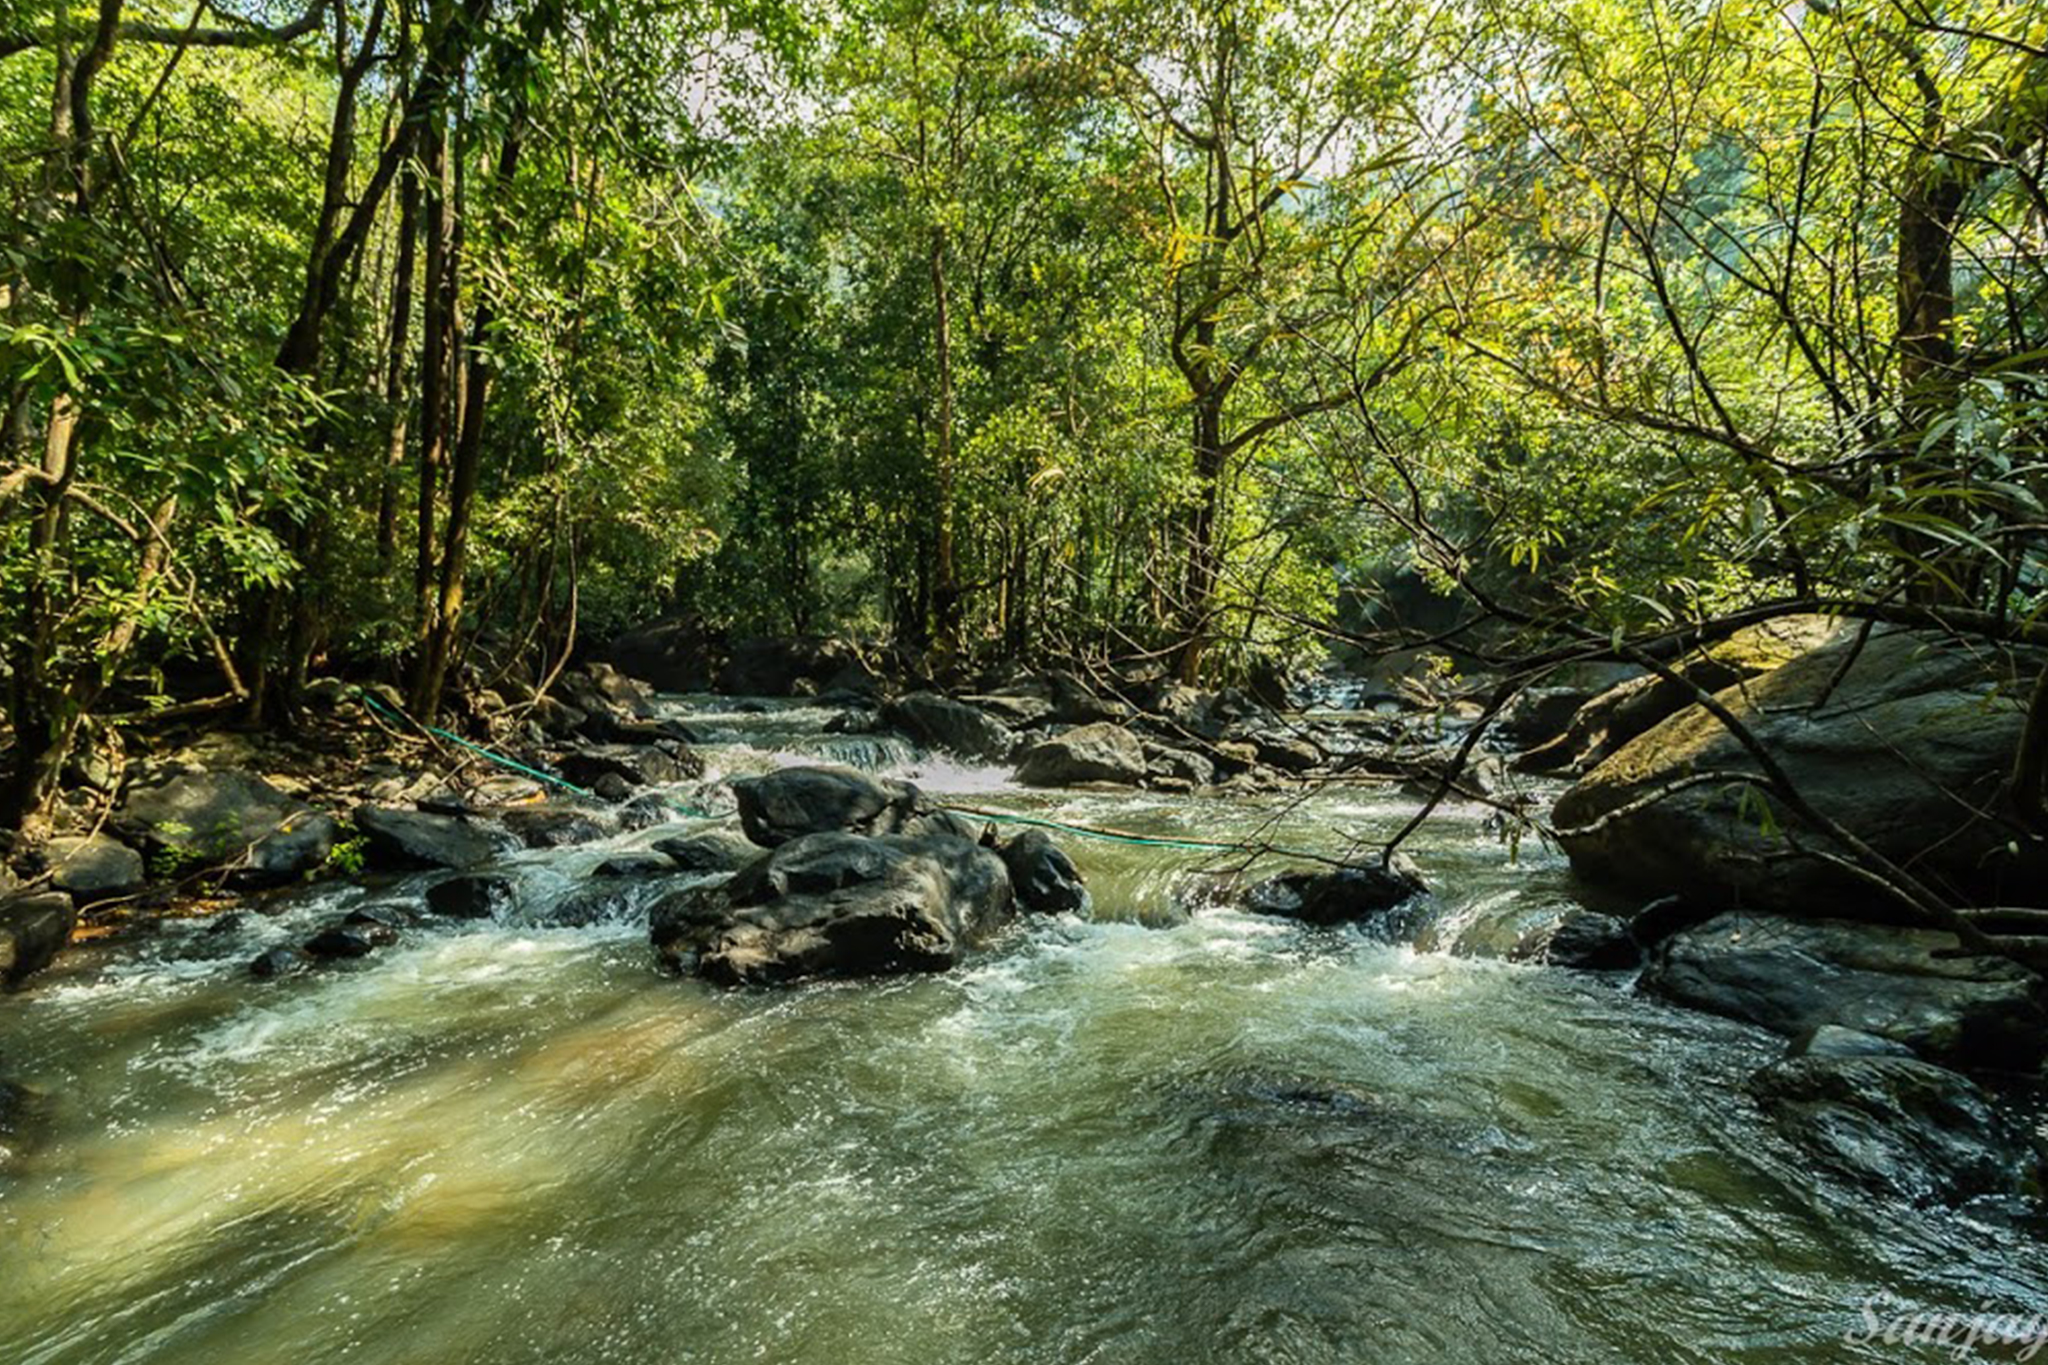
[638, 765]
[1044, 878]
[280, 962]
[350, 940]
[942, 723]
[1904, 1127]
[635, 863]
[1089, 753]
[22, 1115]
[33, 929]
[1584, 940]
[711, 850]
[1904, 742]
[410, 840]
[1906, 985]
[792, 802]
[1339, 895]
[550, 826]
[836, 905]
[470, 896]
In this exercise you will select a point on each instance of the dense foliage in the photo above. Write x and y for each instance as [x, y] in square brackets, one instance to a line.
[403, 333]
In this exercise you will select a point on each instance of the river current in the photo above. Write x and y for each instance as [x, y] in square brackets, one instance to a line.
[1166, 1132]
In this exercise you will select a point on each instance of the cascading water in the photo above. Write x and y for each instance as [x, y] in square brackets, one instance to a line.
[1151, 1135]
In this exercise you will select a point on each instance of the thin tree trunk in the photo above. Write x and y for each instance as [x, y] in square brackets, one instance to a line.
[396, 369]
[946, 582]
[435, 348]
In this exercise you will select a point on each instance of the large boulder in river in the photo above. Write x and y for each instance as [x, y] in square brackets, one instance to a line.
[1044, 877]
[1341, 895]
[781, 667]
[33, 929]
[1906, 985]
[1601, 726]
[1905, 741]
[706, 851]
[1087, 753]
[836, 905]
[786, 804]
[1903, 1127]
[673, 654]
[942, 723]
[412, 840]
[229, 818]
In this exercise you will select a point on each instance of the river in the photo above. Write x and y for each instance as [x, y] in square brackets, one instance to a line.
[1143, 1135]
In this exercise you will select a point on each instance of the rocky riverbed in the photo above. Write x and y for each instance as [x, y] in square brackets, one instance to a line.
[1022, 887]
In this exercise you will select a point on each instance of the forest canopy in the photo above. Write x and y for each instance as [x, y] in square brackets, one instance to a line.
[409, 336]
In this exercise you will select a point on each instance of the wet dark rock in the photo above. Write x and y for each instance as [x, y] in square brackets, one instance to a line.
[452, 804]
[1076, 703]
[942, 723]
[93, 867]
[833, 904]
[383, 916]
[1016, 709]
[785, 804]
[1177, 765]
[1832, 1040]
[280, 962]
[557, 718]
[1087, 753]
[635, 864]
[1234, 757]
[1288, 753]
[350, 940]
[604, 695]
[1538, 715]
[410, 840]
[674, 653]
[774, 667]
[299, 846]
[1911, 986]
[1905, 743]
[656, 730]
[1338, 895]
[857, 721]
[707, 851]
[470, 896]
[1044, 878]
[33, 929]
[1905, 1128]
[639, 765]
[227, 818]
[684, 921]
[1583, 940]
[612, 787]
[646, 810]
[550, 826]
[23, 1115]
[225, 926]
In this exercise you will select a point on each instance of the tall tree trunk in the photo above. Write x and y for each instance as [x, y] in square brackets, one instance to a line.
[1202, 566]
[946, 581]
[396, 369]
[435, 349]
[430, 674]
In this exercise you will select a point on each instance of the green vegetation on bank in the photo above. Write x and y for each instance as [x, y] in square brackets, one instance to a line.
[351, 336]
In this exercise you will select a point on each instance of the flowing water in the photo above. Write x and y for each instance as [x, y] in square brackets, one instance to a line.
[1146, 1135]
